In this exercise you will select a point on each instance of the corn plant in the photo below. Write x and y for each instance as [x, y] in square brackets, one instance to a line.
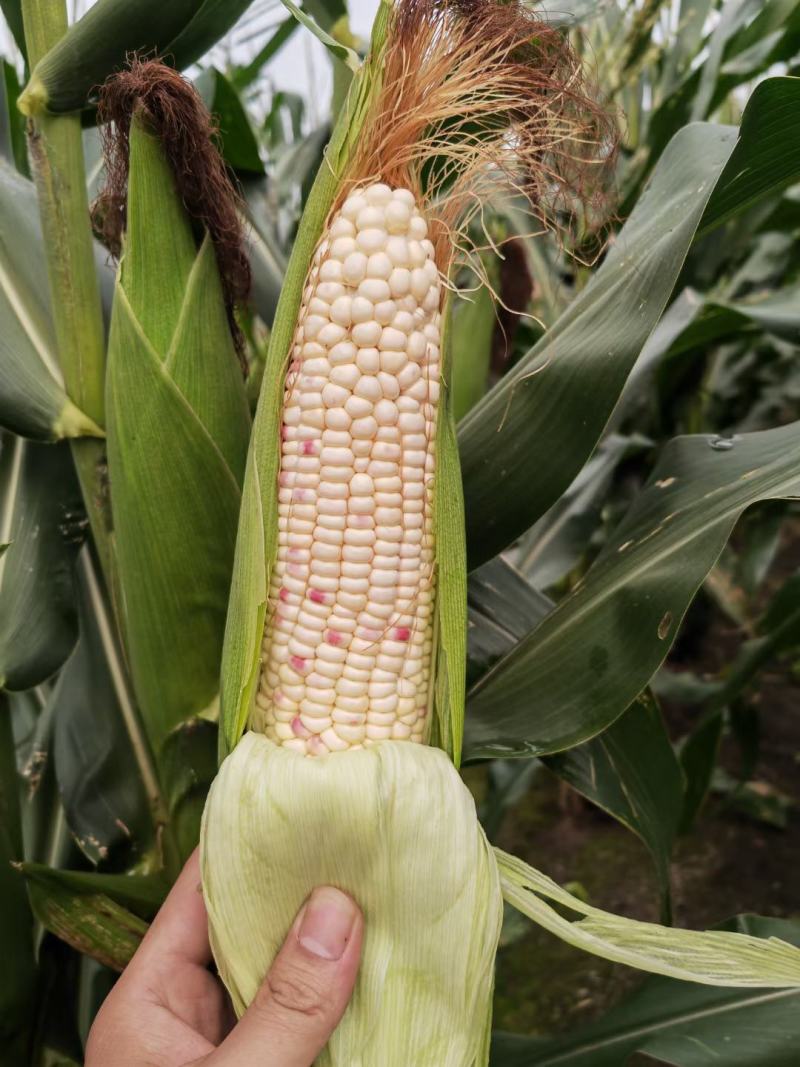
[347, 601]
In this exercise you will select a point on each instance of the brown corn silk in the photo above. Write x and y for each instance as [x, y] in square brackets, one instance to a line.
[176, 114]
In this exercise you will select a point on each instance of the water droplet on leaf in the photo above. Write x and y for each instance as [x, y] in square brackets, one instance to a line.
[721, 444]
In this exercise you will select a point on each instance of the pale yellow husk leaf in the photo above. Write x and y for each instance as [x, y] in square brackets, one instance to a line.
[394, 826]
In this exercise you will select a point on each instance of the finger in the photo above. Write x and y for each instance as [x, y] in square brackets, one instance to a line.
[179, 933]
[306, 991]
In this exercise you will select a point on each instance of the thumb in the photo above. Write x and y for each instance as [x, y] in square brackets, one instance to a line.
[306, 991]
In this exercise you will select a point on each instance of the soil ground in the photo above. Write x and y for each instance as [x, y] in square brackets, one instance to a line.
[728, 864]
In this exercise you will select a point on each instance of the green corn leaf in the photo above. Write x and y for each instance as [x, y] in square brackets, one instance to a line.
[539, 410]
[556, 543]
[176, 406]
[189, 763]
[142, 894]
[243, 77]
[776, 313]
[92, 922]
[104, 768]
[12, 122]
[32, 398]
[40, 515]
[16, 923]
[336, 48]
[630, 770]
[712, 958]
[238, 142]
[472, 327]
[503, 607]
[584, 664]
[12, 12]
[94, 47]
[40, 810]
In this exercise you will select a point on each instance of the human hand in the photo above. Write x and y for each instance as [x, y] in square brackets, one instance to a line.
[169, 1010]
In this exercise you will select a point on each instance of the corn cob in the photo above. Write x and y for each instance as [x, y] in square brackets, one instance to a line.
[347, 653]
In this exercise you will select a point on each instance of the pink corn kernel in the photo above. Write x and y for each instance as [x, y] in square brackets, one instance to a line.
[309, 448]
[402, 633]
[317, 596]
[283, 593]
[299, 495]
[285, 478]
[299, 664]
[333, 637]
[298, 729]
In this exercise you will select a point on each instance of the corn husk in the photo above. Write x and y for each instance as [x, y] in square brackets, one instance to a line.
[178, 428]
[394, 826]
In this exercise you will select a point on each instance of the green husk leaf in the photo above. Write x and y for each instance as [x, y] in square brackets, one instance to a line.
[712, 957]
[212, 387]
[427, 887]
[174, 534]
[451, 572]
[155, 283]
[247, 610]
[176, 403]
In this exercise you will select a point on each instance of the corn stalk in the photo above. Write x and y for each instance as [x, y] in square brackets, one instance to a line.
[56, 154]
